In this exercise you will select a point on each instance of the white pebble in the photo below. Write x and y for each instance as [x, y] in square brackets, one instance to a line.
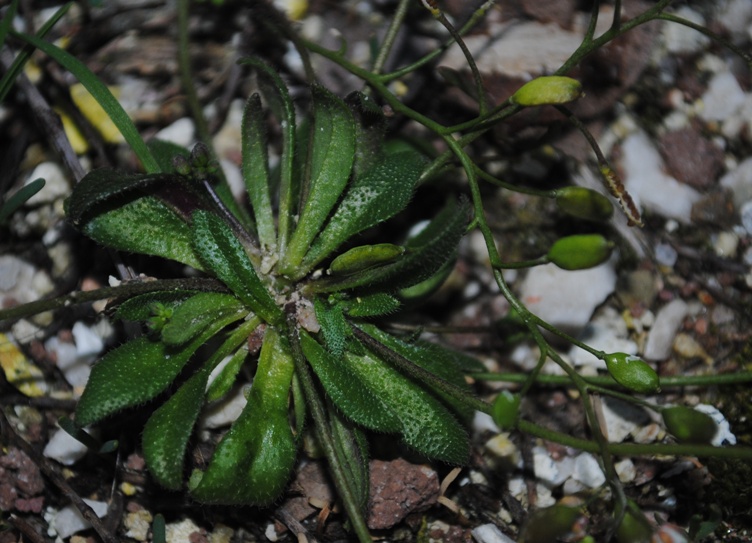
[567, 299]
[587, 471]
[739, 181]
[225, 411]
[64, 448]
[181, 132]
[69, 520]
[649, 185]
[661, 336]
[723, 97]
[682, 39]
[621, 419]
[490, 533]
[56, 186]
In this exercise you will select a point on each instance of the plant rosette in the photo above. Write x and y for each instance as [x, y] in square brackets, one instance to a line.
[287, 273]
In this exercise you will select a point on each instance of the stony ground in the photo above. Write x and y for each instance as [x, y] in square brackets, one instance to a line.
[671, 109]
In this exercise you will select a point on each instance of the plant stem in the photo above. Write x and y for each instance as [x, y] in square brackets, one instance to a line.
[320, 421]
[390, 36]
[128, 290]
[674, 381]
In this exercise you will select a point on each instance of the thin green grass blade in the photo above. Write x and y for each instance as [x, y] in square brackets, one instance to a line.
[102, 95]
[8, 79]
[19, 198]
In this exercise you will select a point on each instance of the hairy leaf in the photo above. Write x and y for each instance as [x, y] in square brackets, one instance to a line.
[223, 254]
[197, 313]
[378, 195]
[332, 155]
[355, 397]
[253, 461]
[334, 328]
[255, 170]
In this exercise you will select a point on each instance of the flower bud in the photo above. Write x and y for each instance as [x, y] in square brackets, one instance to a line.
[550, 524]
[580, 252]
[552, 89]
[584, 203]
[506, 407]
[688, 425]
[633, 373]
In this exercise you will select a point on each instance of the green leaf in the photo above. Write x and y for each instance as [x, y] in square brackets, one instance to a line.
[141, 308]
[364, 257]
[165, 152]
[371, 305]
[255, 170]
[199, 312]
[167, 431]
[359, 401]
[378, 195]
[432, 358]
[252, 463]
[224, 255]
[278, 98]
[334, 328]
[426, 253]
[426, 425]
[223, 382]
[370, 126]
[330, 162]
[19, 198]
[145, 225]
[9, 78]
[166, 434]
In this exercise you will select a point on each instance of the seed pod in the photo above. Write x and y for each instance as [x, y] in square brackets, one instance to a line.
[552, 89]
[506, 408]
[364, 257]
[550, 524]
[584, 203]
[634, 528]
[688, 425]
[632, 372]
[580, 252]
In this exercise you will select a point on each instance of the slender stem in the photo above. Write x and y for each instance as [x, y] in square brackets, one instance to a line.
[128, 289]
[390, 36]
[601, 381]
[320, 421]
[635, 449]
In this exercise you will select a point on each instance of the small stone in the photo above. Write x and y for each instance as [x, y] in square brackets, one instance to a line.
[723, 97]
[181, 531]
[399, 488]
[587, 471]
[567, 299]
[621, 419]
[181, 132]
[739, 181]
[64, 448]
[681, 39]
[661, 336]
[225, 411]
[690, 157]
[56, 185]
[138, 524]
[490, 533]
[69, 520]
[553, 472]
[649, 185]
[626, 471]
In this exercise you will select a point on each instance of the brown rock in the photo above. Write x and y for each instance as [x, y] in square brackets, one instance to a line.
[399, 488]
[560, 12]
[691, 158]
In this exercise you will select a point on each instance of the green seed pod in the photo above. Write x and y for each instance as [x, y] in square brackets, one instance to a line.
[580, 252]
[584, 203]
[688, 425]
[549, 524]
[364, 257]
[553, 89]
[506, 408]
[632, 372]
[634, 528]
